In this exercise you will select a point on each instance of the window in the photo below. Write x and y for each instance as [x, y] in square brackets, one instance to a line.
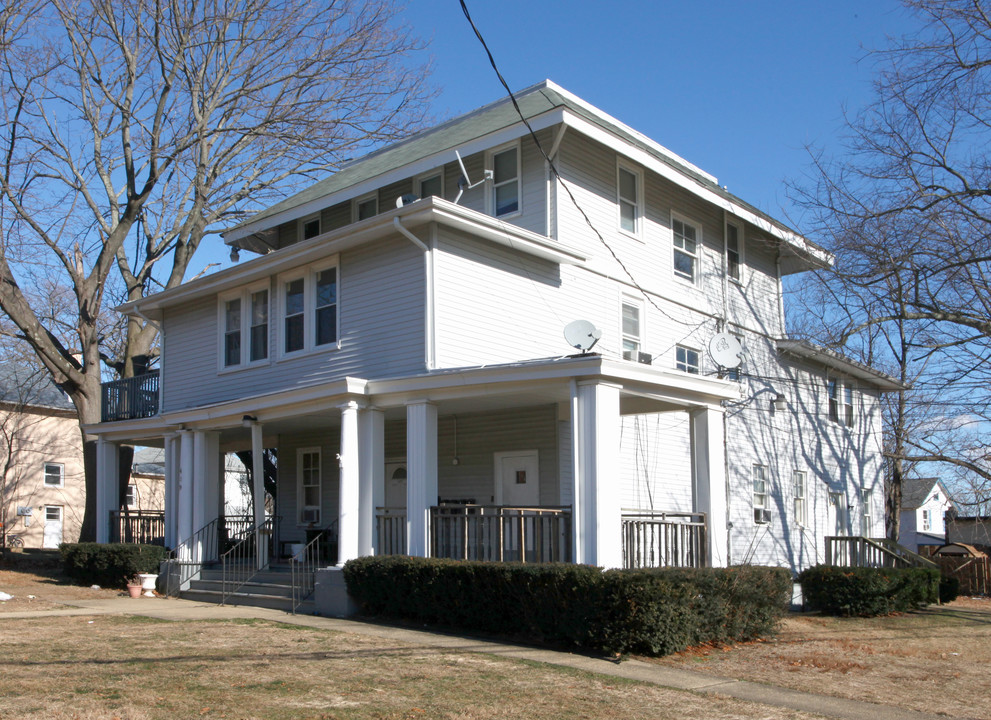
[308, 472]
[926, 521]
[244, 315]
[841, 401]
[309, 307]
[866, 516]
[761, 514]
[54, 474]
[631, 330]
[798, 494]
[505, 197]
[310, 227]
[432, 185]
[131, 497]
[734, 251]
[686, 360]
[686, 239]
[365, 208]
[628, 196]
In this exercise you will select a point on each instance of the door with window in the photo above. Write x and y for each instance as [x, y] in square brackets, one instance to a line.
[517, 486]
[53, 526]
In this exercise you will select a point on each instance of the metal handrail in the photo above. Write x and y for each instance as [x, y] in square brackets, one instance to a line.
[130, 398]
[245, 558]
[304, 565]
[186, 560]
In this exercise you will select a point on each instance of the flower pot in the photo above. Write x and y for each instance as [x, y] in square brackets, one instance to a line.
[134, 590]
[148, 581]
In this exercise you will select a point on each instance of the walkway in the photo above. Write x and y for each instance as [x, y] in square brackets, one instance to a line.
[177, 610]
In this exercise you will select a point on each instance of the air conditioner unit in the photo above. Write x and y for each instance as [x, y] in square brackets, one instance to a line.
[310, 515]
[645, 358]
[762, 516]
[24, 511]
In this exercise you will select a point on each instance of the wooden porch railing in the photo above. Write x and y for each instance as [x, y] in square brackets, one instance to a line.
[391, 531]
[146, 527]
[130, 398]
[855, 551]
[500, 533]
[663, 539]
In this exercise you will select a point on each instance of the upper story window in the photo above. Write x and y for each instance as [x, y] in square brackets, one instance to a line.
[761, 513]
[310, 227]
[131, 497]
[631, 329]
[54, 474]
[505, 198]
[366, 207]
[926, 520]
[686, 359]
[431, 185]
[629, 193]
[244, 318]
[841, 396]
[686, 240]
[798, 492]
[734, 252]
[309, 308]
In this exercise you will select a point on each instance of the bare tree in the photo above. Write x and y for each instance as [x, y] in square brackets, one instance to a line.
[132, 130]
[908, 211]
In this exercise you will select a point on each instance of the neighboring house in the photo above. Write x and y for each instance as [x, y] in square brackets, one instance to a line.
[399, 340]
[42, 484]
[922, 522]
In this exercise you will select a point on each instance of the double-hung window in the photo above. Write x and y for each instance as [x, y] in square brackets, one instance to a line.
[841, 407]
[54, 474]
[631, 330]
[761, 514]
[798, 493]
[628, 190]
[309, 497]
[505, 197]
[686, 359]
[687, 236]
[866, 513]
[309, 309]
[244, 320]
[734, 251]
[926, 521]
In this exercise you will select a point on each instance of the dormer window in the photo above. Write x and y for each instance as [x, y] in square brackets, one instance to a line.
[506, 182]
[311, 227]
[365, 208]
[432, 185]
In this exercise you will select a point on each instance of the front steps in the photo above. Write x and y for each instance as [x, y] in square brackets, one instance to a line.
[271, 588]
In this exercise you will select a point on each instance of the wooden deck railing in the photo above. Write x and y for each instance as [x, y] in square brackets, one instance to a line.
[146, 527]
[663, 539]
[500, 533]
[391, 529]
[130, 398]
[855, 551]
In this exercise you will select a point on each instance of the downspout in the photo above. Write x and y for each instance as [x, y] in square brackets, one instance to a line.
[550, 184]
[428, 271]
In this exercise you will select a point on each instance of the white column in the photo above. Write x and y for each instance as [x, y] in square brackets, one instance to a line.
[184, 527]
[709, 479]
[371, 488]
[421, 472]
[258, 491]
[107, 486]
[171, 454]
[598, 522]
[206, 488]
[348, 521]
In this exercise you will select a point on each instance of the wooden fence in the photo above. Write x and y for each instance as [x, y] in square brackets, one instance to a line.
[974, 573]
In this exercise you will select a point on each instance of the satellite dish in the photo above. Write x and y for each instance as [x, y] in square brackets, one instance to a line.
[725, 349]
[582, 334]
[406, 199]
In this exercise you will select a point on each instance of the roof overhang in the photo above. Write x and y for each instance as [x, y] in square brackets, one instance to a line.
[831, 359]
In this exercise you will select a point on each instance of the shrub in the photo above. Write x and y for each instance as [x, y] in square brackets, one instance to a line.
[652, 612]
[866, 592]
[109, 565]
[949, 588]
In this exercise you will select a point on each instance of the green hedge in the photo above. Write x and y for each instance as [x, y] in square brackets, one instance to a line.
[652, 612]
[109, 565]
[866, 592]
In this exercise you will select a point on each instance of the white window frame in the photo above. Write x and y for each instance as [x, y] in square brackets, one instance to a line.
[759, 474]
[59, 468]
[245, 295]
[131, 495]
[636, 202]
[696, 256]
[315, 217]
[926, 520]
[684, 365]
[359, 201]
[637, 338]
[418, 185]
[490, 198]
[740, 252]
[799, 491]
[301, 506]
[309, 277]
[866, 512]
[841, 400]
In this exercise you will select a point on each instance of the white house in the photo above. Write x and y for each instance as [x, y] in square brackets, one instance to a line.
[923, 514]
[398, 339]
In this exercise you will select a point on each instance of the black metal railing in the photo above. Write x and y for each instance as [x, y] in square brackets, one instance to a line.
[146, 527]
[501, 533]
[130, 398]
[188, 558]
[663, 539]
[249, 554]
[304, 566]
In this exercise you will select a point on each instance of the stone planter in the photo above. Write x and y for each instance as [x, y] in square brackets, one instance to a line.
[148, 581]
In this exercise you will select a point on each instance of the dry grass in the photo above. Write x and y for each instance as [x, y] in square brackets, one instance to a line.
[934, 660]
[43, 590]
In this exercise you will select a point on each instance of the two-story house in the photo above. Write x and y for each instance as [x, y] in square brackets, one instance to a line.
[922, 520]
[398, 338]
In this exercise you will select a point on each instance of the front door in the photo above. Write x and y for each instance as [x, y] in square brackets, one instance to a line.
[517, 479]
[53, 526]
[395, 485]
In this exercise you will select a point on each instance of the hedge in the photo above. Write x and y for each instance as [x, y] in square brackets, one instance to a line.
[109, 565]
[650, 612]
[867, 592]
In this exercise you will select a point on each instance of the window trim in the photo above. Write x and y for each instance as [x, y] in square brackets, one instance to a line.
[490, 201]
[420, 179]
[61, 474]
[841, 409]
[245, 295]
[359, 201]
[740, 252]
[866, 511]
[301, 507]
[687, 368]
[638, 204]
[761, 507]
[303, 222]
[308, 274]
[628, 301]
[131, 495]
[696, 256]
[800, 500]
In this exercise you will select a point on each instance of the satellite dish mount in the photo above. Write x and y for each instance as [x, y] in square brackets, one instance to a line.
[725, 349]
[582, 335]
[464, 183]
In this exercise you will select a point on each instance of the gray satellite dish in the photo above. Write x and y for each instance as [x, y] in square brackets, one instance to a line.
[725, 349]
[582, 334]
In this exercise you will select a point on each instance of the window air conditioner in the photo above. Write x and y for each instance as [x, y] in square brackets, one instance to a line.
[645, 358]
[311, 515]
[762, 516]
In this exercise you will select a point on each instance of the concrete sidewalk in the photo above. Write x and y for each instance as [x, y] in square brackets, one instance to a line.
[178, 610]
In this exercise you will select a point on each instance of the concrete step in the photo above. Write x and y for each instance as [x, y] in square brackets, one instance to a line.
[274, 602]
[248, 588]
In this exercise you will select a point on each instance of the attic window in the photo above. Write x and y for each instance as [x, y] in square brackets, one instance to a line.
[366, 208]
[311, 227]
[432, 185]
[506, 182]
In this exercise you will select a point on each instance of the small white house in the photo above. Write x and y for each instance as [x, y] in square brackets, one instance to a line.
[398, 338]
[923, 515]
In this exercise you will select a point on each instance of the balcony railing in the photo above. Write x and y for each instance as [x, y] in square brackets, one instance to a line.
[146, 527]
[130, 398]
[858, 551]
[391, 531]
[501, 534]
[663, 539]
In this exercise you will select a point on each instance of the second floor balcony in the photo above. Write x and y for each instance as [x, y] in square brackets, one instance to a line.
[130, 398]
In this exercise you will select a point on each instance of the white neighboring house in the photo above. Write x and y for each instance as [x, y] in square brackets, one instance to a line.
[922, 521]
[398, 339]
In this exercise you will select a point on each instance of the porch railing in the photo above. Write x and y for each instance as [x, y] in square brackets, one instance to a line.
[188, 558]
[663, 539]
[146, 527]
[500, 533]
[855, 551]
[304, 566]
[130, 398]
[391, 531]
[248, 555]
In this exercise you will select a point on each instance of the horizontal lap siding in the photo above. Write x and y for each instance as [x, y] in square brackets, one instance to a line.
[381, 330]
[656, 468]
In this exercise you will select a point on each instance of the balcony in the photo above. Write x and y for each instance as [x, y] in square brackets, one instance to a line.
[130, 398]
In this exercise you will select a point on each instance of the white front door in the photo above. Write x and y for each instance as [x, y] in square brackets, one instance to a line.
[53, 526]
[395, 485]
[517, 478]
